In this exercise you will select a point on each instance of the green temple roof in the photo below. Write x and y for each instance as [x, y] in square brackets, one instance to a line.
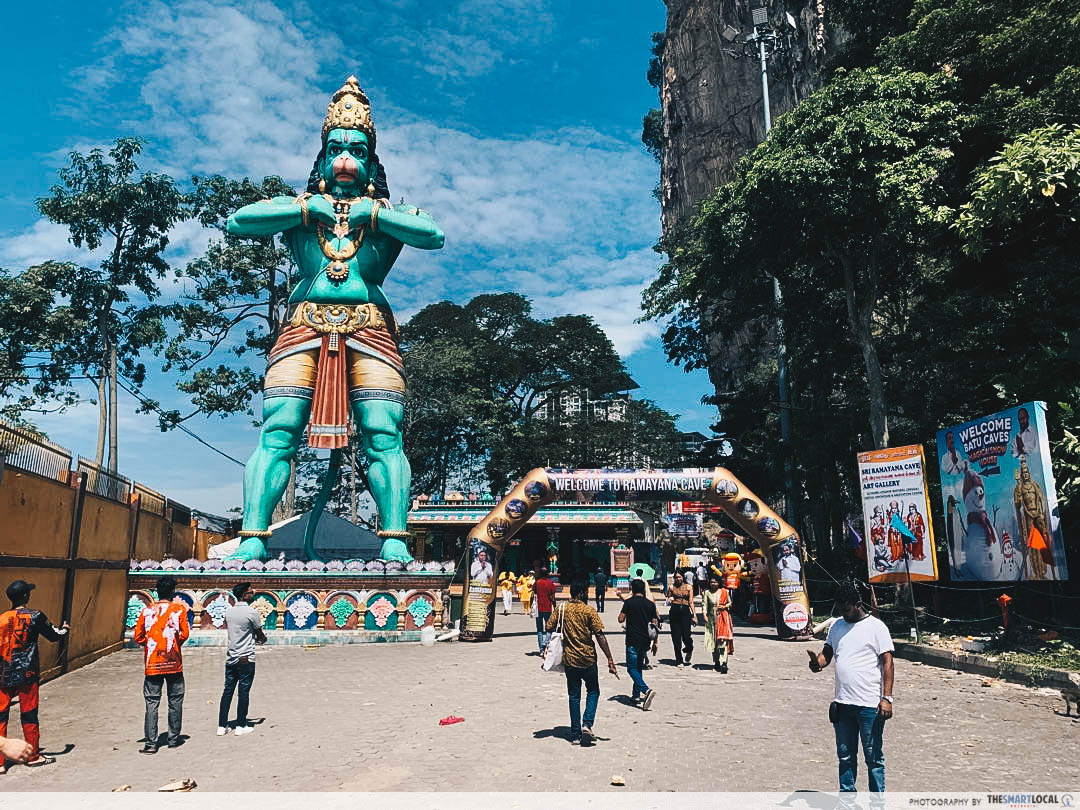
[552, 515]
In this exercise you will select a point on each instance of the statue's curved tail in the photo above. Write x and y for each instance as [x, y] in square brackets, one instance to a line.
[320, 504]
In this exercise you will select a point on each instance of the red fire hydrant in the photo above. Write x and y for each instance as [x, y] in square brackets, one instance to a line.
[1003, 602]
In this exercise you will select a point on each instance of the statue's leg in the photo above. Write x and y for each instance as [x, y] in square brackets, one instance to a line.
[388, 472]
[267, 472]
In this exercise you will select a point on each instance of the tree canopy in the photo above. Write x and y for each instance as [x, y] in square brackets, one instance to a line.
[920, 212]
[485, 398]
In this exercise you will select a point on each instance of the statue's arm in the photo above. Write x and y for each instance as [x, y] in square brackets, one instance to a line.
[412, 226]
[265, 217]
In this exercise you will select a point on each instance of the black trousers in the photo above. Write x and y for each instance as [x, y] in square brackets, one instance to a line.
[679, 619]
[600, 594]
[240, 674]
[174, 688]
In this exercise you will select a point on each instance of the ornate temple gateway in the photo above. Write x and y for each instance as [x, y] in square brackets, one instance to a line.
[578, 535]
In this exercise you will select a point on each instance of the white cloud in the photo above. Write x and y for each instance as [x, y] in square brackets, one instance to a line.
[40, 242]
[564, 216]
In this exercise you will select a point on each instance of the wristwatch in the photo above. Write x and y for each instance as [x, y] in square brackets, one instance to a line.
[887, 697]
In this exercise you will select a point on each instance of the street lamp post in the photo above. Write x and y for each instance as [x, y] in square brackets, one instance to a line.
[763, 42]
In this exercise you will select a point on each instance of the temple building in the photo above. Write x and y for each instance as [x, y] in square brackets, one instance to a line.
[580, 534]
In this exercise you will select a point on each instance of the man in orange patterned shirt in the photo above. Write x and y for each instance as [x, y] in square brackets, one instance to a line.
[161, 629]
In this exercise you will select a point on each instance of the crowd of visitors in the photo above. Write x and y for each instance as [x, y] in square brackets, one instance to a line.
[161, 630]
[859, 644]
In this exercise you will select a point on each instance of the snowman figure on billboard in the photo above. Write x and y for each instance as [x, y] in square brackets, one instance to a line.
[981, 546]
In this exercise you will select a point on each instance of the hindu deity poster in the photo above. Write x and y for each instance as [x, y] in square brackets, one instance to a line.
[997, 487]
[896, 515]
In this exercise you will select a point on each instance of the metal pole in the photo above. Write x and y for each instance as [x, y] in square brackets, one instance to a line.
[764, 83]
[911, 593]
[781, 346]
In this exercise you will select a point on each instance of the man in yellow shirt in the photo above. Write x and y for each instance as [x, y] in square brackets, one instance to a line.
[580, 625]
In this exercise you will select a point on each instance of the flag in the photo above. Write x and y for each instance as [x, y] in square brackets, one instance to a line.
[899, 525]
[857, 543]
[1037, 543]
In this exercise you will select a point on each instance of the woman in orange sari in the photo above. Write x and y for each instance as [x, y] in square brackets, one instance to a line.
[719, 631]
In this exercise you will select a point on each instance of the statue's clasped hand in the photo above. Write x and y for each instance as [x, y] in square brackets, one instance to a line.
[320, 210]
[360, 213]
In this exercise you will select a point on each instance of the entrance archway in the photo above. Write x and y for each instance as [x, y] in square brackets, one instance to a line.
[779, 542]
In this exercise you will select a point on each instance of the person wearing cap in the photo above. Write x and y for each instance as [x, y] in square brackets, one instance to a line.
[161, 629]
[20, 669]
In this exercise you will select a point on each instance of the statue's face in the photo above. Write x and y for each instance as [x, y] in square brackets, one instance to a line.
[346, 165]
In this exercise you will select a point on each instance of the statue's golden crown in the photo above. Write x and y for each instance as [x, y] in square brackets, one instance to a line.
[349, 109]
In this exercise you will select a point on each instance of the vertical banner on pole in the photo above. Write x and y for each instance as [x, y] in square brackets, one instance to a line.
[896, 515]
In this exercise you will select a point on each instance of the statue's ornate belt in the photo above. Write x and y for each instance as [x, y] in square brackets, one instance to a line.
[339, 319]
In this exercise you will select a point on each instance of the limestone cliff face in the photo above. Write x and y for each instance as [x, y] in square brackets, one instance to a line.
[712, 113]
[711, 102]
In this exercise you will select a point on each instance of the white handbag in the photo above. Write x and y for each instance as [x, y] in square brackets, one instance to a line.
[553, 654]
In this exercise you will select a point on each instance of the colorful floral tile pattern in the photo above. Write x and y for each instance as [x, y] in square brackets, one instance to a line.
[341, 609]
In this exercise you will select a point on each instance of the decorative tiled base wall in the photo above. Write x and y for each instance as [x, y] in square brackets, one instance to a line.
[327, 606]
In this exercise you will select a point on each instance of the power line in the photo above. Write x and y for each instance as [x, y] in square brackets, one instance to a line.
[123, 384]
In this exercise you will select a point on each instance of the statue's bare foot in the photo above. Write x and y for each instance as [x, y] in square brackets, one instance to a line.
[394, 549]
[251, 548]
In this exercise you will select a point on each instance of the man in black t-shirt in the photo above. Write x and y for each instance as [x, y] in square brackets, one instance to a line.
[600, 584]
[638, 613]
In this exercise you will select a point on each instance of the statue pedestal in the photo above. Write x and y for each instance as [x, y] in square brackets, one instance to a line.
[308, 606]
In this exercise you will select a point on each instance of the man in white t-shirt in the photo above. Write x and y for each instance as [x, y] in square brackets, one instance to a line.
[863, 701]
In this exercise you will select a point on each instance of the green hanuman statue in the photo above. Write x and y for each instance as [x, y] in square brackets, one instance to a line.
[337, 353]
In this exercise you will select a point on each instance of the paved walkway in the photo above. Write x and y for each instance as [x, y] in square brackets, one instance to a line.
[365, 717]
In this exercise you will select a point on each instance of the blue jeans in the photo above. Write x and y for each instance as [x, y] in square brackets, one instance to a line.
[242, 675]
[542, 636]
[853, 723]
[574, 677]
[635, 660]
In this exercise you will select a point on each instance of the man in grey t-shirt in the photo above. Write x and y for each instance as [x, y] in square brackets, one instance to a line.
[245, 631]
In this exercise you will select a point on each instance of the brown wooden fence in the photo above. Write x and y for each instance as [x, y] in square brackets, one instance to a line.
[73, 534]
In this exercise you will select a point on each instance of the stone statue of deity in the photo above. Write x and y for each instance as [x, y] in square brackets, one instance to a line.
[337, 353]
[1030, 504]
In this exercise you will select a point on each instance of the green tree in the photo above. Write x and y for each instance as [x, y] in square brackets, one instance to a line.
[105, 204]
[33, 374]
[844, 198]
[652, 125]
[235, 297]
[485, 383]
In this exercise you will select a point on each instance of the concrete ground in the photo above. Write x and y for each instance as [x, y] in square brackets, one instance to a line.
[365, 717]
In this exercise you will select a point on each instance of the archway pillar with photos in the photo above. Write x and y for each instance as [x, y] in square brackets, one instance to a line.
[779, 542]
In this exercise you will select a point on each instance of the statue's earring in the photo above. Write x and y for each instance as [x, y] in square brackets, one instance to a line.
[322, 186]
[370, 190]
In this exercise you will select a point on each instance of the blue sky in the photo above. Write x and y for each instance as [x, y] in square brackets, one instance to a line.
[515, 122]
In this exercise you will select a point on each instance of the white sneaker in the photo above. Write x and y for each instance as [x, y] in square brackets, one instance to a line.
[222, 731]
[243, 730]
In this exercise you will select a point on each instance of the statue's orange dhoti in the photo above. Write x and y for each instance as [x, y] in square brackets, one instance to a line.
[331, 354]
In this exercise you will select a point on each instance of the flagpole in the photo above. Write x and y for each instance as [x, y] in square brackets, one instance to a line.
[914, 610]
[904, 531]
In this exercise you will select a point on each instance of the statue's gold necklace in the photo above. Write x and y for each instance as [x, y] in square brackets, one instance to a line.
[338, 269]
